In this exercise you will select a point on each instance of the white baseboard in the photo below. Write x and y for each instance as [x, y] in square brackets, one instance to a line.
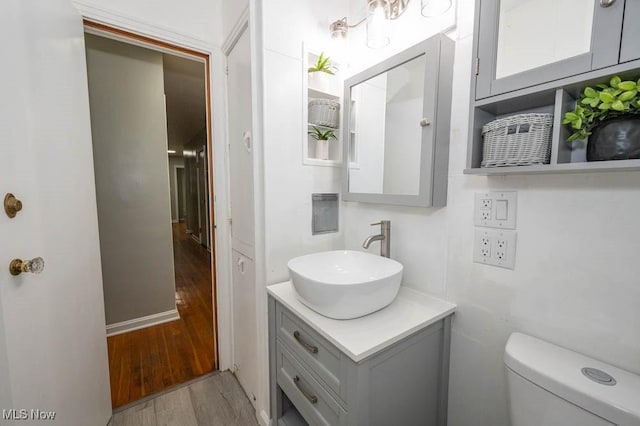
[195, 238]
[142, 322]
[174, 221]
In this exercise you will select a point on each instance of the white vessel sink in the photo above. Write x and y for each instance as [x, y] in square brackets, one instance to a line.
[345, 284]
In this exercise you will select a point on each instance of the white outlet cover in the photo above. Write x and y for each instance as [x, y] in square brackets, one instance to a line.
[495, 247]
[488, 205]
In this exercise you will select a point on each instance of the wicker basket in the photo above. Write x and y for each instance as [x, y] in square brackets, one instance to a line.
[519, 140]
[324, 112]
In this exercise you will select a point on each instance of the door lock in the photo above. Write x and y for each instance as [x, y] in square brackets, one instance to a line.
[12, 205]
[18, 266]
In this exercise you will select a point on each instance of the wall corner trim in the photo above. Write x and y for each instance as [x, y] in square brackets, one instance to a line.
[142, 322]
[264, 418]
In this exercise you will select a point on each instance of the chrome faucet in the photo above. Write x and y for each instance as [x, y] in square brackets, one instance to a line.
[384, 237]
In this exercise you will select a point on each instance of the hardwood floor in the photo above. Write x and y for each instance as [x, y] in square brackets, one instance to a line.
[153, 359]
[214, 400]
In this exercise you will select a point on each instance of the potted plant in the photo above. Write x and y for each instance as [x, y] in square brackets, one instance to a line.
[321, 74]
[322, 141]
[609, 115]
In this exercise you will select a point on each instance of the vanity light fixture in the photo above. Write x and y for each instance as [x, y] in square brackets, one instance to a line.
[377, 24]
[378, 13]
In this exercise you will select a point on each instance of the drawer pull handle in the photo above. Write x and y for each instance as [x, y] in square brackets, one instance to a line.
[307, 346]
[312, 398]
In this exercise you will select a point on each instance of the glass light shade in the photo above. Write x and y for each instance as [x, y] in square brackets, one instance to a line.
[378, 24]
[433, 8]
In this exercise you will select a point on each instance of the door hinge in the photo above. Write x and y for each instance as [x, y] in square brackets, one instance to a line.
[477, 66]
[226, 69]
[230, 221]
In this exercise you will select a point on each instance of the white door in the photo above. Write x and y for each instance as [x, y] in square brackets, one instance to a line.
[241, 146]
[53, 354]
[245, 351]
[244, 324]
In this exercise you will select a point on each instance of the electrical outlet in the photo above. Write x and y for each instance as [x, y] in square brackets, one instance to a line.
[495, 247]
[482, 247]
[495, 209]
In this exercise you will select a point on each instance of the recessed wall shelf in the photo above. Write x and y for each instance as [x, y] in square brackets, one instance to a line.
[326, 87]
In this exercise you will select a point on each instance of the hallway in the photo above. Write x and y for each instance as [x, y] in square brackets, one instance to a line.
[153, 359]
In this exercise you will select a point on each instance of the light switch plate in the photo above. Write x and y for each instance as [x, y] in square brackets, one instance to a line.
[495, 247]
[496, 209]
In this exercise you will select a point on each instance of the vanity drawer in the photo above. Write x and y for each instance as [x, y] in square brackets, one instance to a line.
[324, 359]
[315, 404]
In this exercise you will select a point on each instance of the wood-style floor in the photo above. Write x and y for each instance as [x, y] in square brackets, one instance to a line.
[214, 400]
[153, 359]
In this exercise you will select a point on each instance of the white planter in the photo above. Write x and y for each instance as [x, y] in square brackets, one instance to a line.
[324, 82]
[322, 150]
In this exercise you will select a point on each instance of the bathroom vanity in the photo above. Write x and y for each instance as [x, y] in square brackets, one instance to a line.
[390, 367]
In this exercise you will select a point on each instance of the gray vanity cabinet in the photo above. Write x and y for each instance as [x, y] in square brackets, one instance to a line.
[522, 43]
[313, 382]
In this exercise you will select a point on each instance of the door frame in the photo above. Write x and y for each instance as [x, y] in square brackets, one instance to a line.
[102, 23]
[176, 193]
[251, 20]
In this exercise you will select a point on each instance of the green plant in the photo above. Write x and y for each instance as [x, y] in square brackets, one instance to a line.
[319, 135]
[323, 64]
[602, 103]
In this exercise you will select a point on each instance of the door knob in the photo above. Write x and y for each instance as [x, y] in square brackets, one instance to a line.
[425, 122]
[606, 3]
[18, 266]
[12, 205]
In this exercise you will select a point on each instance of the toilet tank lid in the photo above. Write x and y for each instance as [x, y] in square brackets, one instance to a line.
[559, 371]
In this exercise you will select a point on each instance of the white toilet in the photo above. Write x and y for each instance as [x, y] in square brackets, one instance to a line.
[552, 386]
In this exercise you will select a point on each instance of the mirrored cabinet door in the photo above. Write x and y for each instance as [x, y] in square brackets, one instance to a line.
[630, 46]
[522, 43]
[397, 116]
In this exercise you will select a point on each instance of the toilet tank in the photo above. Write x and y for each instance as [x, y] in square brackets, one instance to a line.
[548, 387]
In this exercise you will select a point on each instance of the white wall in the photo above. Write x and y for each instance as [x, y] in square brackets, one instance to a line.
[231, 11]
[574, 282]
[288, 184]
[129, 132]
[195, 18]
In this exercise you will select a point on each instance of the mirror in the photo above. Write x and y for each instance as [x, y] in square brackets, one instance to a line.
[533, 33]
[385, 121]
[390, 112]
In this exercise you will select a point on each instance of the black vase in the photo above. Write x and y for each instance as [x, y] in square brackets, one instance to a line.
[615, 139]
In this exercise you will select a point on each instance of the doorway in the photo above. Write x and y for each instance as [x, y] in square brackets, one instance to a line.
[150, 124]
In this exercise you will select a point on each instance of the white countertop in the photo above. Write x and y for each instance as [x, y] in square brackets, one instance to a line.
[362, 337]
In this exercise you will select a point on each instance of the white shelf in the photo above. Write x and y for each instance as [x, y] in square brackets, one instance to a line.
[314, 93]
[326, 87]
[324, 127]
[318, 162]
[562, 168]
